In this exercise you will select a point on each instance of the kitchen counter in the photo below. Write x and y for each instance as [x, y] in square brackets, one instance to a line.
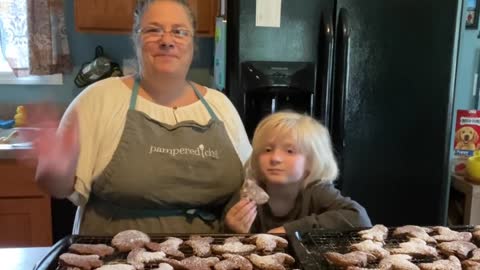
[21, 258]
[16, 142]
[7, 151]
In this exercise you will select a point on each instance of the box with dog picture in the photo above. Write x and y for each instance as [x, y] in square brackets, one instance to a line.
[467, 130]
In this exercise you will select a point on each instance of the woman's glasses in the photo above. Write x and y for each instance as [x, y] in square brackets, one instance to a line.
[153, 33]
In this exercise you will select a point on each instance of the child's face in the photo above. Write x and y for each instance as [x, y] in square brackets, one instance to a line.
[280, 161]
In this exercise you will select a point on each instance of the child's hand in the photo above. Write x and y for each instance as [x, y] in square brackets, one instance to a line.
[241, 216]
[277, 230]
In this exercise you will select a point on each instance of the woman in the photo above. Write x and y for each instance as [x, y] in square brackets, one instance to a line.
[153, 152]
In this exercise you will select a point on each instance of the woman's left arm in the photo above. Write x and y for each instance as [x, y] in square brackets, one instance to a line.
[330, 210]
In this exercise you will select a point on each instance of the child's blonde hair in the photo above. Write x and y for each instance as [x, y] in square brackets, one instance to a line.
[312, 139]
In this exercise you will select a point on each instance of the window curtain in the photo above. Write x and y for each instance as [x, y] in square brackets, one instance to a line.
[47, 38]
[33, 36]
[14, 35]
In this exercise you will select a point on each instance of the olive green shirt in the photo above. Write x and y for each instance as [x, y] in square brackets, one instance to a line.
[319, 205]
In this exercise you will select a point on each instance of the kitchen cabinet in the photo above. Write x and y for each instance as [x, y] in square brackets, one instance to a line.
[205, 11]
[25, 211]
[106, 16]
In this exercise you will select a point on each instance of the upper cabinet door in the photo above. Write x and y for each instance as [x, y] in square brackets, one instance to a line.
[108, 16]
[205, 12]
[104, 15]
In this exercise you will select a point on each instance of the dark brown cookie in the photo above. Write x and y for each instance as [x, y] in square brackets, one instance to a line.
[84, 262]
[139, 257]
[193, 263]
[453, 263]
[457, 248]
[355, 258]
[119, 266]
[91, 249]
[276, 261]
[169, 246]
[234, 262]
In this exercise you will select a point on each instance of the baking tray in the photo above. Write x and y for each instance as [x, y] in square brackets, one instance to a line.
[50, 261]
[318, 241]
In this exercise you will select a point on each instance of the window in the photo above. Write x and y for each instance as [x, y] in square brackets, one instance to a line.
[7, 76]
[11, 14]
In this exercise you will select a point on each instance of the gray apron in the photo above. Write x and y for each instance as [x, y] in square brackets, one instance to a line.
[165, 179]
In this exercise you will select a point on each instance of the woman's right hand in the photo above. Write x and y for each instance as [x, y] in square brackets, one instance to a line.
[241, 216]
[56, 150]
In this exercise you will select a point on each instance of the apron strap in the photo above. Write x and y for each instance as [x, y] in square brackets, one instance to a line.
[206, 213]
[133, 98]
[205, 103]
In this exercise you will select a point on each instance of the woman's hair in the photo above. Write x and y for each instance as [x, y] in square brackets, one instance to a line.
[140, 9]
[311, 139]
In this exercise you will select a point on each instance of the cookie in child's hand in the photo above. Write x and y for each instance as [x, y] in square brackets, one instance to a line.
[251, 190]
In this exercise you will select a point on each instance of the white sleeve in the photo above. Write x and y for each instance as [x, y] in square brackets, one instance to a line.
[224, 108]
[88, 107]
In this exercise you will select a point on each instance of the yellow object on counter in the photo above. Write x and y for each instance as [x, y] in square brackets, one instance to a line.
[20, 117]
[473, 167]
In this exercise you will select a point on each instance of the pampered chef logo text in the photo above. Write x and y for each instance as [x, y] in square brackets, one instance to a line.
[200, 151]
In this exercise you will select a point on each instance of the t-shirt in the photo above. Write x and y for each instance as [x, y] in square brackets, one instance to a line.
[102, 108]
[319, 205]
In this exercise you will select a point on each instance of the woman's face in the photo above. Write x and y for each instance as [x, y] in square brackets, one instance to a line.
[166, 39]
[281, 162]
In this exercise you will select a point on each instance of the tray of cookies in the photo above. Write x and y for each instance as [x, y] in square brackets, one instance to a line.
[134, 250]
[405, 247]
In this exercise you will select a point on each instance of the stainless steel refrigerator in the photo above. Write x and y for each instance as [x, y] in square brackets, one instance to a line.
[382, 85]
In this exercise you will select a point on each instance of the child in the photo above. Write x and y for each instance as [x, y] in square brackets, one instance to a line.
[293, 161]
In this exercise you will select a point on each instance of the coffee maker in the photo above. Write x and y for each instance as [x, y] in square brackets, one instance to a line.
[269, 87]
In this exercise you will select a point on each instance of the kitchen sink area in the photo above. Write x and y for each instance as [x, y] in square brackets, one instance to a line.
[16, 139]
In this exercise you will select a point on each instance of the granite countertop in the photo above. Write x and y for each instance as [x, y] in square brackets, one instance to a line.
[21, 258]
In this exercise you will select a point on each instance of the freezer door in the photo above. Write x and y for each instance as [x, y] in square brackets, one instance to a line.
[296, 40]
[396, 107]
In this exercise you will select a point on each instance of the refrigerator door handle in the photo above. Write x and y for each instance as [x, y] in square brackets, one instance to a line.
[340, 80]
[326, 64]
[475, 90]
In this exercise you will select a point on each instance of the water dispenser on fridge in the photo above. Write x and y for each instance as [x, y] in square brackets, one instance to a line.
[269, 87]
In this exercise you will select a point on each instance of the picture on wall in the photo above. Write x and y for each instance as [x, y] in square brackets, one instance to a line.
[472, 14]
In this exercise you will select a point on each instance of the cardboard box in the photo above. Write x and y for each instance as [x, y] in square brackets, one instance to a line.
[467, 130]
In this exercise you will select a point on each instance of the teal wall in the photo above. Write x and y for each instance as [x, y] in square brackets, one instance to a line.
[82, 49]
[467, 64]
